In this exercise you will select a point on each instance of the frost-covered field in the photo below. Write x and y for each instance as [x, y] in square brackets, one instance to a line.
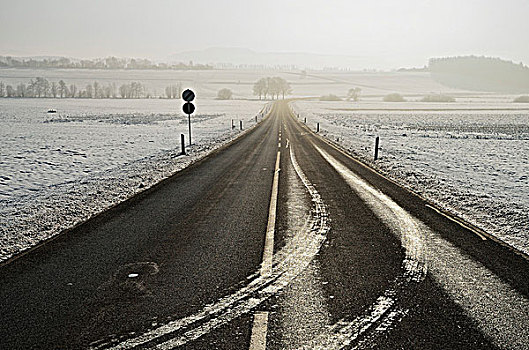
[474, 163]
[57, 170]
[208, 82]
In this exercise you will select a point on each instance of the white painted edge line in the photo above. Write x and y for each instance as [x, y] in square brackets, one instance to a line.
[259, 329]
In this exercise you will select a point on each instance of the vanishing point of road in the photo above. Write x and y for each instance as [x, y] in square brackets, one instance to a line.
[279, 240]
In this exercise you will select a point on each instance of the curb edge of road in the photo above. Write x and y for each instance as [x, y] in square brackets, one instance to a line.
[460, 221]
[135, 196]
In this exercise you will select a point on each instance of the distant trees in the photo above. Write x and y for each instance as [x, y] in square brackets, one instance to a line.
[89, 91]
[330, 97]
[39, 87]
[10, 92]
[62, 88]
[273, 86]
[521, 99]
[21, 90]
[173, 91]
[72, 91]
[224, 94]
[42, 88]
[394, 98]
[480, 73]
[283, 86]
[438, 98]
[98, 63]
[132, 90]
[260, 87]
[354, 94]
[54, 90]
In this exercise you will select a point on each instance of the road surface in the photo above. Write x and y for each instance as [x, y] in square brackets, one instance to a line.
[279, 240]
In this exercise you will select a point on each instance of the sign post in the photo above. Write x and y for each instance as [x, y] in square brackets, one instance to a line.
[188, 108]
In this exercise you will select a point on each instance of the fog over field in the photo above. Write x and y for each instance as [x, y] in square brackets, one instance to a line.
[380, 34]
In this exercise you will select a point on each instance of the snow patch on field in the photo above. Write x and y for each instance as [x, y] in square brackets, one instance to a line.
[473, 163]
[57, 171]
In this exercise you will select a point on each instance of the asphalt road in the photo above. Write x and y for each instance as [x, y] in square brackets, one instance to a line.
[280, 241]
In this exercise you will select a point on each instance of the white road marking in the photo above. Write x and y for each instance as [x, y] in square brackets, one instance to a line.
[268, 252]
[499, 311]
[260, 322]
[259, 329]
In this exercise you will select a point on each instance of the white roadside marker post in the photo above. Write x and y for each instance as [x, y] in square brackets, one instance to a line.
[376, 147]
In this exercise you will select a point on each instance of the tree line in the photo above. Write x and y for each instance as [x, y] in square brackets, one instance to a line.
[273, 86]
[480, 73]
[42, 88]
[97, 63]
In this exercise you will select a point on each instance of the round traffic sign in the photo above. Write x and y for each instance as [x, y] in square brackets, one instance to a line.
[188, 95]
[188, 108]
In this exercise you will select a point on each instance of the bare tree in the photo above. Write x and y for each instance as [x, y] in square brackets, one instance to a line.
[97, 92]
[259, 87]
[40, 87]
[274, 87]
[89, 91]
[21, 90]
[123, 91]
[178, 90]
[284, 86]
[10, 92]
[54, 89]
[73, 90]
[354, 94]
[173, 91]
[62, 88]
[107, 91]
[113, 90]
[224, 94]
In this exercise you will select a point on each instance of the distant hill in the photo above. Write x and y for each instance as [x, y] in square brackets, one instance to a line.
[480, 74]
[228, 57]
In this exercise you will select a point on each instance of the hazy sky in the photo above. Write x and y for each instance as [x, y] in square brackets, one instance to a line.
[388, 33]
